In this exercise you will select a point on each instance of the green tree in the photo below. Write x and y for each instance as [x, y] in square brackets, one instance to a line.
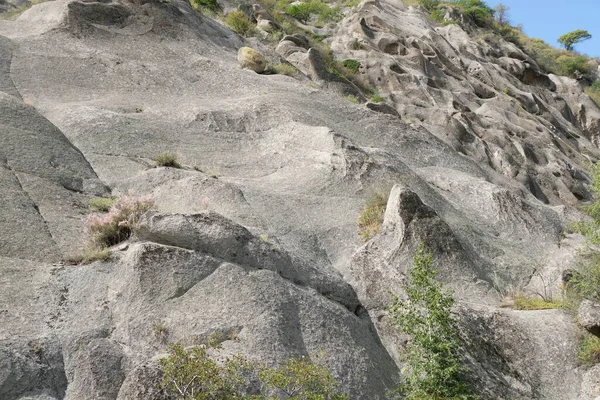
[568, 40]
[433, 369]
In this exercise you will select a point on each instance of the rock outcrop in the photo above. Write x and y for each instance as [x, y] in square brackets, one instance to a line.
[484, 157]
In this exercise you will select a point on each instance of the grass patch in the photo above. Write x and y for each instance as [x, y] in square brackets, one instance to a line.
[371, 217]
[239, 22]
[533, 303]
[101, 204]
[352, 65]
[589, 350]
[594, 92]
[211, 5]
[167, 160]
[304, 11]
[283, 69]
[89, 256]
[352, 99]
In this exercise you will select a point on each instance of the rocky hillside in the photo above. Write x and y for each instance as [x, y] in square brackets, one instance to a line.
[484, 157]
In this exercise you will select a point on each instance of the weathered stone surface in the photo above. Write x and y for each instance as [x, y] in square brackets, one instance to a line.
[251, 59]
[256, 236]
[588, 316]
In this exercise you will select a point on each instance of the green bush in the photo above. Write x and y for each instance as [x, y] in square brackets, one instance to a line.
[570, 65]
[434, 370]
[239, 22]
[303, 11]
[594, 92]
[429, 5]
[352, 65]
[192, 374]
[211, 5]
[589, 350]
[167, 160]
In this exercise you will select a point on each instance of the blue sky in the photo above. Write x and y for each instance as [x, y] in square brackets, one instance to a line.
[549, 19]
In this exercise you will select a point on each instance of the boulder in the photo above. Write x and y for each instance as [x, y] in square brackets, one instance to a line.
[249, 58]
[588, 316]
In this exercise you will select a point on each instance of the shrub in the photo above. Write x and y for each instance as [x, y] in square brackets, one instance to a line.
[303, 11]
[594, 92]
[192, 374]
[101, 204]
[211, 5]
[532, 303]
[301, 379]
[376, 97]
[433, 367]
[239, 22]
[573, 66]
[371, 217]
[429, 5]
[117, 225]
[167, 160]
[591, 229]
[352, 65]
[589, 349]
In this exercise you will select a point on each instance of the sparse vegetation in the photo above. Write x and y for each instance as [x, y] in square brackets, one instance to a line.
[304, 11]
[352, 65]
[376, 97]
[352, 99]
[533, 303]
[371, 217]
[167, 160]
[589, 349]
[211, 5]
[239, 22]
[594, 91]
[160, 331]
[101, 204]
[434, 369]
[283, 69]
[89, 256]
[193, 374]
[117, 225]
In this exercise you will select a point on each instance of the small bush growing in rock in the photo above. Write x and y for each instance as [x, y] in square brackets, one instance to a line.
[211, 5]
[117, 225]
[303, 11]
[167, 160]
[594, 92]
[589, 349]
[239, 22]
[434, 370]
[371, 217]
[192, 374]
[352, 65]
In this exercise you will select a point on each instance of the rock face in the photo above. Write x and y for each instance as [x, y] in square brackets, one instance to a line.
[255, 236]
[588, 316]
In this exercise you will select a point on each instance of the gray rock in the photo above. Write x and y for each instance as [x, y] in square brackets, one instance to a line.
[588, 316]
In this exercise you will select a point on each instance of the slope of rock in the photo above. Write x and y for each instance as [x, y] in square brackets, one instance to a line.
[255, 236]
